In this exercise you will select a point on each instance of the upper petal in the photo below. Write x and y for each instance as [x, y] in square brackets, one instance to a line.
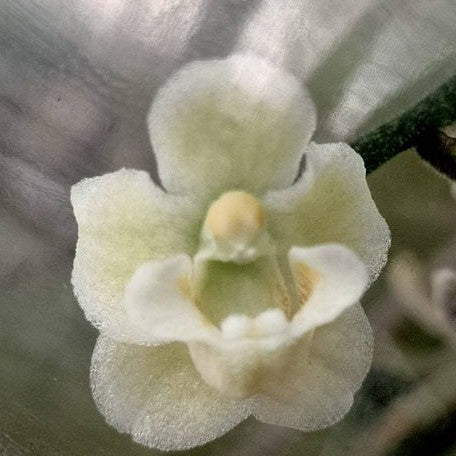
[317, 388]
[156, 395]
[124, 220]
[234, 123]
[331, 203]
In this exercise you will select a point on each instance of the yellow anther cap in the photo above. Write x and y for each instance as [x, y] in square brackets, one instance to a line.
[235, 216]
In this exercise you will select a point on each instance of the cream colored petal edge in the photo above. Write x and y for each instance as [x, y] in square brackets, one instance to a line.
[233, 123]
[331, 203]
[159, 303]
[124, 220]
[156, 395]
[335, 278]
[319, 386]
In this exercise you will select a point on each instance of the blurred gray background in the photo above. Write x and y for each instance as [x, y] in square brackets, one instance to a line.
[76, 82]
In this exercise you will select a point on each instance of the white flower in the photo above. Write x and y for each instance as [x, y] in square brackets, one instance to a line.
[235, 292]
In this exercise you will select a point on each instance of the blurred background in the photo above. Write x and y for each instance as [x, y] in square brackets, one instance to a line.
[76, 82]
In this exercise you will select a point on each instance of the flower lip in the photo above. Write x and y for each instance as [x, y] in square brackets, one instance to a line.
[328, 279]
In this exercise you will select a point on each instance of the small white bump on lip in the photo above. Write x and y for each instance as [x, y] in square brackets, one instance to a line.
[271, 322]
[268, 323]
[236, 326]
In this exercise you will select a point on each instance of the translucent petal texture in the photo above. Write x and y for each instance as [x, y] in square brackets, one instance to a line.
[124, 220]
[158, 301]
[329, 278]
[330, 203]
[234, 123]
[317, 388]
[156, 395]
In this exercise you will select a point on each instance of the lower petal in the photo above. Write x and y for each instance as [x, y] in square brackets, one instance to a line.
[319, 385]
[156, 395]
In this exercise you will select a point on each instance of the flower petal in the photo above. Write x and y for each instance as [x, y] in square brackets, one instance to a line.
[158, 301]
[124, 220]
[329, 278]
[318, 387]
[331, 202]
[155, 394]
[234, 123]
